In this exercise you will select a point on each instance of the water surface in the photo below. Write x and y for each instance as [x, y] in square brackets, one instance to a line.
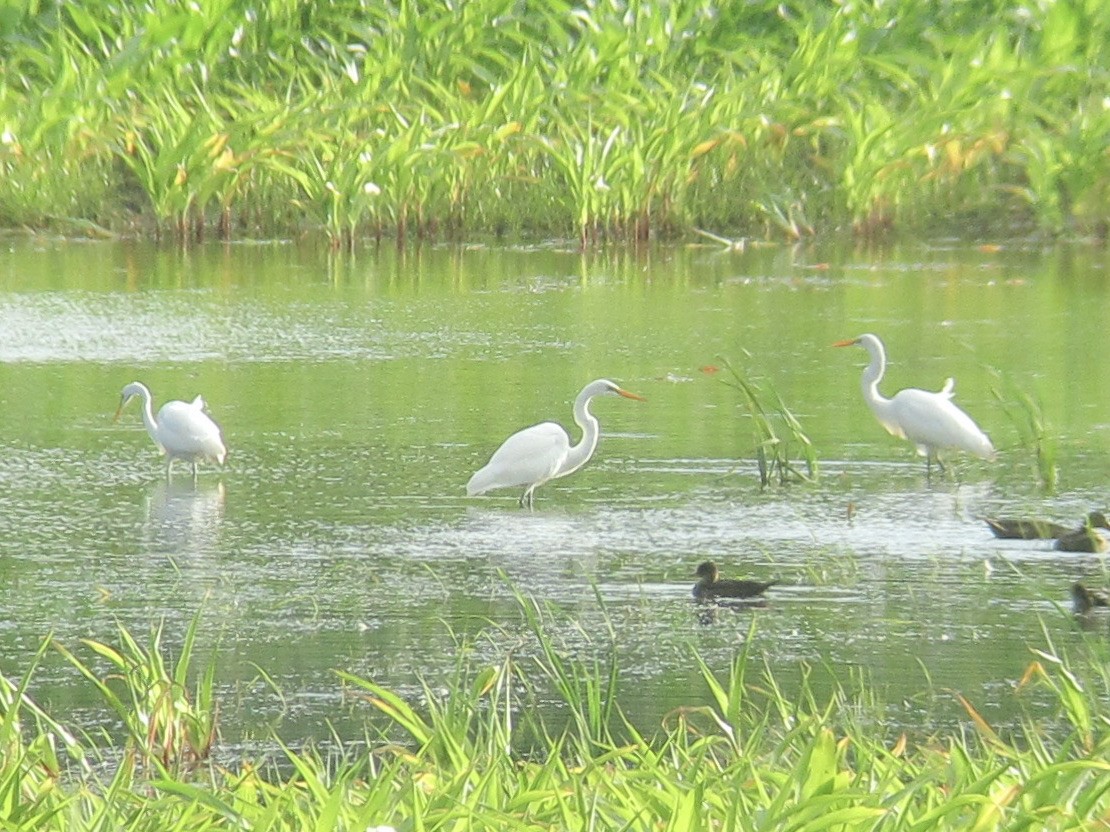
[358, 394]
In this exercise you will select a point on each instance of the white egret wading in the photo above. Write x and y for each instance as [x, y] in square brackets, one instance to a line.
[929, 420]
[182, 431]
[543, 452]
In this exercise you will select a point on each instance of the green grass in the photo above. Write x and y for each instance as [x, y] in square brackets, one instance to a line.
[600, 121]
[774, 454]
[1034, 435]
[170, 728]
[742, 755]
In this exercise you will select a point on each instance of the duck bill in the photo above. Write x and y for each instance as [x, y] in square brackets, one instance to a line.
[628, 395]
[847, 342]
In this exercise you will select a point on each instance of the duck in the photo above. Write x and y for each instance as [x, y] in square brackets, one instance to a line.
[1087, 538]
[1083, 600]
[1014, 528]
[710, 585]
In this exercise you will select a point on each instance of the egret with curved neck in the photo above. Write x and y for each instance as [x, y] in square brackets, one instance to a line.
[929, 420]
[543, 452]
[182, 430]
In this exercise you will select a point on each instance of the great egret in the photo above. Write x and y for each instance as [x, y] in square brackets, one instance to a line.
[710, 585]
[1083, 600]
[182, 431]
[543, 452]
[929, 420]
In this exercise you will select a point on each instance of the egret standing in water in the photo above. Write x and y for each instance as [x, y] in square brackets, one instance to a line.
[182, 431]
[543, 452]
[929, 420]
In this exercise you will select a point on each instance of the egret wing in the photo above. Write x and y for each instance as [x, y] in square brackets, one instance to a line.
[931, 420]
[185, 430]
[528, 457]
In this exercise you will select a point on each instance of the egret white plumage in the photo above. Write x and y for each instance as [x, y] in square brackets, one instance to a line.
[543, 452]
[929, 420]
[182, 430]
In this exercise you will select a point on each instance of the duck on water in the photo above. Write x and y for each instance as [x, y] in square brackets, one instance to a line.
[711, 585]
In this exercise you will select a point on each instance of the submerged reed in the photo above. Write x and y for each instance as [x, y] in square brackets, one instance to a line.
[1027, 416]
[774, 453]
[605, 120]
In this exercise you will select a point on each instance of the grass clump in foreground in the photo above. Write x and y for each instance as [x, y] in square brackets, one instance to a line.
[608, 119]
[752, 759]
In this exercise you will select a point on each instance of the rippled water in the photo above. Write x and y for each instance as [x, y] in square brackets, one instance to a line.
[359, 395]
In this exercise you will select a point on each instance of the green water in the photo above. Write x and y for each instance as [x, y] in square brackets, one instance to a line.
[357, 395]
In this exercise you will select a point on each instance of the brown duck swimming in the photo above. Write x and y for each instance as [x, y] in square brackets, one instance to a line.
[1089, 537]
[710, 585]
[1083, 600]
[1014, 528]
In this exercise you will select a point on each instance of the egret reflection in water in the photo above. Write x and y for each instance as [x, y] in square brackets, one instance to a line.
[184, 518]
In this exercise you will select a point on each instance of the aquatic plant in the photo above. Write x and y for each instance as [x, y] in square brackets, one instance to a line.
[1027, 416]
[32, 757]
[774, 454]
[604, 121]
[170, 728]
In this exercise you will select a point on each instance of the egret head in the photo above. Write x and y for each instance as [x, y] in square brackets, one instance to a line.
[604, 387]
[867, 341]
[129, 392]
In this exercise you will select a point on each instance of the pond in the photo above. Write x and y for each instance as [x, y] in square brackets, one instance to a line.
[358, 394]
